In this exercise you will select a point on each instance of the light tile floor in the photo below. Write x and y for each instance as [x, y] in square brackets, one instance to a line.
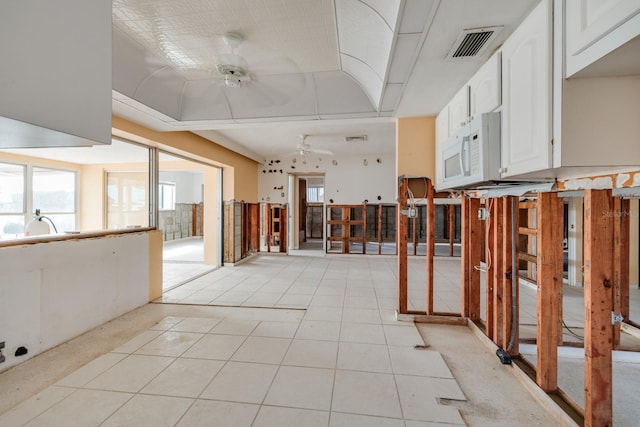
[232, 371]
[330, 354]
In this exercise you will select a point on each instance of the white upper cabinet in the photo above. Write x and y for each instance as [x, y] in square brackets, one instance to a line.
[485, 89]
[459, 110]
[594, 28]
[526, 95]
[56, 73]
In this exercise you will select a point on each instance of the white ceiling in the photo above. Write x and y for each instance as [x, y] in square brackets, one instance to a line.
[326, 68]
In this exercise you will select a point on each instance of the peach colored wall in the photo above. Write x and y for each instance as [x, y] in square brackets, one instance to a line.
[240, 173]
[415, 146]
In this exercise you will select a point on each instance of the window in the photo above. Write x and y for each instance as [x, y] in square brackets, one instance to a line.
[167, 196]
[315, 194]
[127, 200]
[25, 188]
[54, 193]
[12, 201]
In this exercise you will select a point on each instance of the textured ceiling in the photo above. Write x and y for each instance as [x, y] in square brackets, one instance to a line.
[278, 36]
[315, 66]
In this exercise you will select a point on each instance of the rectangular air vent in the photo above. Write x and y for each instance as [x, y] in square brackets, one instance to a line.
[356, 138]
[472, 42]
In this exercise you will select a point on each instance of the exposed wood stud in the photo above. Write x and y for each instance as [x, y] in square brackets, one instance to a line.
[549, 280]
[508, 276]
[431, 238]
[621, 262]
[498, 269]
[255, 227]
[465, 274]
[598, 299]
[472, 248]
[451, 210]
[401, 239]
[380, 229]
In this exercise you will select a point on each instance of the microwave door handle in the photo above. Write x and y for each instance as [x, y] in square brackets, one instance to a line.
[464, 156]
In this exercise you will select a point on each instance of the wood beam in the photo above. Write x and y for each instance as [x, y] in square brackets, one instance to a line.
[431, 243]
[510, 277]
[451, 210]
[465, 274]
[549, 279]
[255, 226]
[471, 254]
[598, 300]
[621, 263]
[380, 229]
[283, 228]
[401, 245]
[497, 270]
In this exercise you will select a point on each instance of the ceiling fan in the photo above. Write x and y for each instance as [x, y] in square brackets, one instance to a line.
[303, 148]
[266, 83]
[233, 68]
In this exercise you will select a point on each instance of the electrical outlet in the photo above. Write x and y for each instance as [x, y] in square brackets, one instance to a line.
[483, 214]
[412, 212]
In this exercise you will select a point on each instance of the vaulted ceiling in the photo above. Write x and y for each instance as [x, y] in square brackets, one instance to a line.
[255, 74]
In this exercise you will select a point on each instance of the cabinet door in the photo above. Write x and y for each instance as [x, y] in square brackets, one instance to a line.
[485, 88]
[458, 110]
[594, 28]
[590, 20]
[526, 95]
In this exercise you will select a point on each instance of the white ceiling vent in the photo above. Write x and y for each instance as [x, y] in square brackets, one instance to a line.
[355, 138]
[473, 42]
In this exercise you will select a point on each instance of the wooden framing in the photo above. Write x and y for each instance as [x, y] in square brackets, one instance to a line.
[401, 245]
[451, 211]
[598, 283]
[471, 253]
[549, 296]
[346, 222]
[379, 211]
[498, 267]
[621, 263]
[254, 219]
[431, 244]
[509, 316]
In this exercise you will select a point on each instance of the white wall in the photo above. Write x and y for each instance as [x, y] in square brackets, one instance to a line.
[52, 292]
[349, 181]
[188, 185]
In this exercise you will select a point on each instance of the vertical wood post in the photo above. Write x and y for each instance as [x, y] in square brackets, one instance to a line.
[194, 220]
[549, 280]
[255, 227]
[451, 209]
[598, 283]
[621, 263]
[401, 245]
[364, 229]
[498, 269]
[284, 220]
[268, 214]
[431, 245]
[510, 219]
[465, 274]
[380, 229]
[471, 253]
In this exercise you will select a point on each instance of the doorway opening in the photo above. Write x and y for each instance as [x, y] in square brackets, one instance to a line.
[182, 185]
[311, 212]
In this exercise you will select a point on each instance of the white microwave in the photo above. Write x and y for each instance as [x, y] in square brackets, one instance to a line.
[471, 157]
